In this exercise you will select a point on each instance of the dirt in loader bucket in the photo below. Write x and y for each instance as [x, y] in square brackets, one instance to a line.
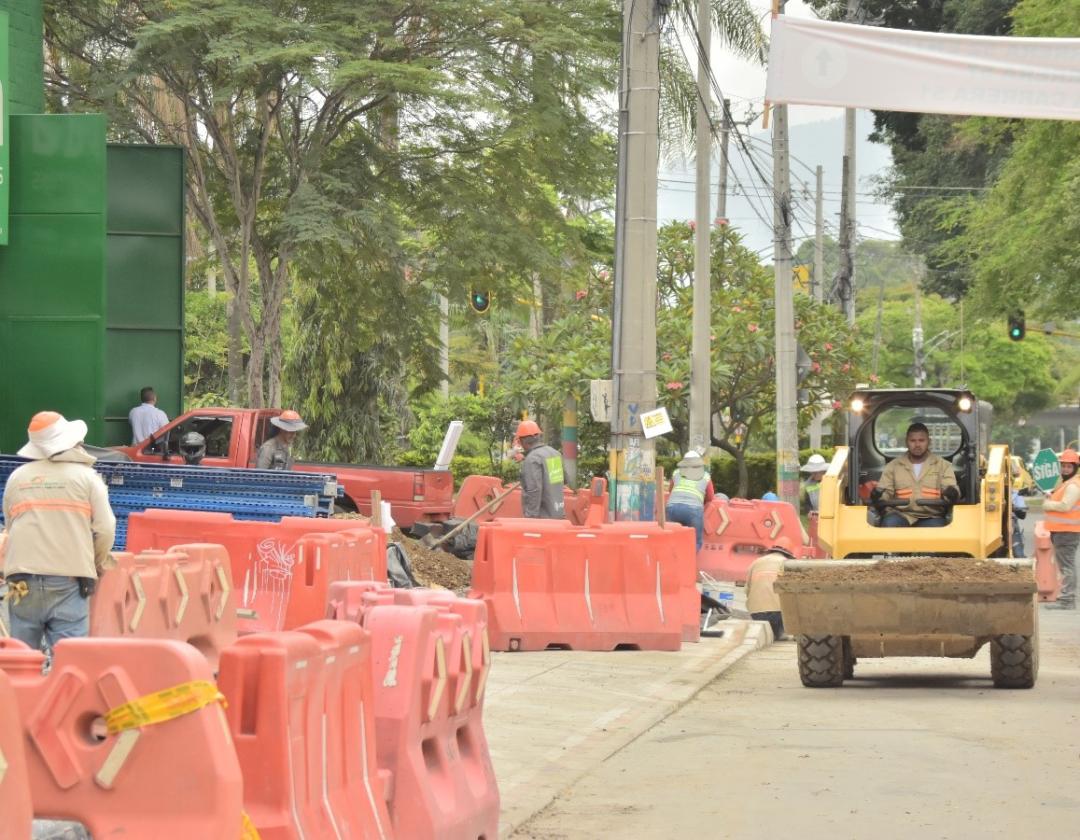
[918, 569]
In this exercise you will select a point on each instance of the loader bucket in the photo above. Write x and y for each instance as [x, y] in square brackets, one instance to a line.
[851, 609]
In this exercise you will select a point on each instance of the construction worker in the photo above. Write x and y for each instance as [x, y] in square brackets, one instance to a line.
[917, 474]
[1019, 512]
[691, 490]
[276, 452]
[810, 498]
[541, 475]
[762, 602]
[1062, 512]
[60, 529]
[146, 418]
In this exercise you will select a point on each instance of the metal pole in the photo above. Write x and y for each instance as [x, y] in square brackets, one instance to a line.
[919, 375]
[819, 238]
[634, 457]
[444, 344]
[701, 355]
[787, 425]
[722, 185]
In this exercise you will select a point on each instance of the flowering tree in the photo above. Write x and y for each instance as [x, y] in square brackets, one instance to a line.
[577, 347]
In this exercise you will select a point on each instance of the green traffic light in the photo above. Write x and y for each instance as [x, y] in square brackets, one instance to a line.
[480, 301]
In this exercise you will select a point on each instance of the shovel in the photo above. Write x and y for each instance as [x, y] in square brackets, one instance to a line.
[429, 541]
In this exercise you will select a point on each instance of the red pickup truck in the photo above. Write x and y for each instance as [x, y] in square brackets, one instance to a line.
[233, 436]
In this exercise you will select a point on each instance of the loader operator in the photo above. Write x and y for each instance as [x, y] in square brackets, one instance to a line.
[1062, 511]
[917, 474]
[541, 475]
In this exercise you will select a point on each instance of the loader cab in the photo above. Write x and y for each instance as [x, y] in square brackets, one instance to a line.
[877, 426]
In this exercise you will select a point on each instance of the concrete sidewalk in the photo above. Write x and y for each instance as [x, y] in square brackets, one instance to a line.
[552, 717]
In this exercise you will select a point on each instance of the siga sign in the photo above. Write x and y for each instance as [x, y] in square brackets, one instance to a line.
[1046, 470]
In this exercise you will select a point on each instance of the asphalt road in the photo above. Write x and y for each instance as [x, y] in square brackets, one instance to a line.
[911, 748]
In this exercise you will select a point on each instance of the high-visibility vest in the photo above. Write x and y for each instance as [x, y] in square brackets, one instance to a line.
[687, 491]
[1063, 520]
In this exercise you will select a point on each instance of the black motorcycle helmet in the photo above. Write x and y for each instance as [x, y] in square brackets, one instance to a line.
[192, 448]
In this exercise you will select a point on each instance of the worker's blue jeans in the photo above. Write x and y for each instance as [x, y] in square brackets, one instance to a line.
[895, 520]
[690, 516]
[53, 609]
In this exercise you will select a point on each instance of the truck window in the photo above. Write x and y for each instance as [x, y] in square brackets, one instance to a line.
[216, 430]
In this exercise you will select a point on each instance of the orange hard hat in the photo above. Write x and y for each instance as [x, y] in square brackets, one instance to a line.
[1069, 456]
[784, 545]
[527, 428]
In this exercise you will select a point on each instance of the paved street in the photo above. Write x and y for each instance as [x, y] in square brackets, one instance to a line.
[910, 749]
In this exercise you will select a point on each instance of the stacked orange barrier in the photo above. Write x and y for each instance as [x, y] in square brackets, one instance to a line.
[185, 594]
[281, 570]
[174, 779]
[548, 583]
[1046, 571]
[738, 531]
[16, 812]
[301, 712]
[431, 659]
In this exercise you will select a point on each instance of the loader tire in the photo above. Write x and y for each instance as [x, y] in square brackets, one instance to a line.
[1014, 661]
[849, 660]
[821, 661]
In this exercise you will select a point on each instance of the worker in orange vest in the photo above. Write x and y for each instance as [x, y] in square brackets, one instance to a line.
[1062, 511]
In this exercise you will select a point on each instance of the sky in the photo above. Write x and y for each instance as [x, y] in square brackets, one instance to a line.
[816, 138]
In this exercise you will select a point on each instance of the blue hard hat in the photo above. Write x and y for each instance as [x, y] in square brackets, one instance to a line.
[770, 497]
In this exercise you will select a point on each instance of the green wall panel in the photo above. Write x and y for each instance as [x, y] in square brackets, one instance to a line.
[26, 34]
[52, 275]
[145, 313]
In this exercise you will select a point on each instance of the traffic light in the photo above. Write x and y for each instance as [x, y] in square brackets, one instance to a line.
[1017, 330]
[480, 301]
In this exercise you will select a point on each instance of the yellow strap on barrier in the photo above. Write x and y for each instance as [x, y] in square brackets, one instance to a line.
[248, 830]
[163, 705]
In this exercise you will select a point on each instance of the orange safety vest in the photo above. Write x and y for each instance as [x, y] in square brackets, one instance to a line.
[1063, 520]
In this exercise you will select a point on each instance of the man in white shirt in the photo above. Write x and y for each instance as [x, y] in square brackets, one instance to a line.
[147, 418]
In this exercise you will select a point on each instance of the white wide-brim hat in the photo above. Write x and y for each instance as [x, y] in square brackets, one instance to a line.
[816, 464]
[50, 434]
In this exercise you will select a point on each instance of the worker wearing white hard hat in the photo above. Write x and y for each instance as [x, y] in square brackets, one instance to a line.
[810, 497]
[691, 490]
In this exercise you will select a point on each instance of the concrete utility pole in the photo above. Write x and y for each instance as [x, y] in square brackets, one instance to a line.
[918, 372]
[819, 238]
[722, 183]
[701, 356]
[633, 458]
[845, 290]
[444, 344]
[850, 181]
[787, 425]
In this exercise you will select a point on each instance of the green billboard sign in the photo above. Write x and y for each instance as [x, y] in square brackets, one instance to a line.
[3, 128]
[1045, 470]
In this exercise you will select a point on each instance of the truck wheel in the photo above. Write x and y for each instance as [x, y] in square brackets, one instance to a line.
[821, 661]
[1014, 661]
[849, 660]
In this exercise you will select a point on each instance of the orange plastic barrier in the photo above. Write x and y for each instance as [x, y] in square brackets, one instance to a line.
[301, 712]
[737, 531]
[281, 570]
[813, 550]
[185, 594]
[16, 812]
[477, 490]
[1047, 577]
[548, 583]
[431, 650]
[170, 780]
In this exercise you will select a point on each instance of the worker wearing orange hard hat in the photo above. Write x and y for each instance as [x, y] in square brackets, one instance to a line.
[276, 452]
[541, 474]
[762, 602]
[1062, 511]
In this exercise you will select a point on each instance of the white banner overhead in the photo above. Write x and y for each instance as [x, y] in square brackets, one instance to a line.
[816, 62]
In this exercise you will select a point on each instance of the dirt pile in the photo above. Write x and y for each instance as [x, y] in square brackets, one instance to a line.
[920, 569]
[433, 566]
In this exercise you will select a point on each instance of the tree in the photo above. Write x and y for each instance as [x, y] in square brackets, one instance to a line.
[578, 347]
[304, 123]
